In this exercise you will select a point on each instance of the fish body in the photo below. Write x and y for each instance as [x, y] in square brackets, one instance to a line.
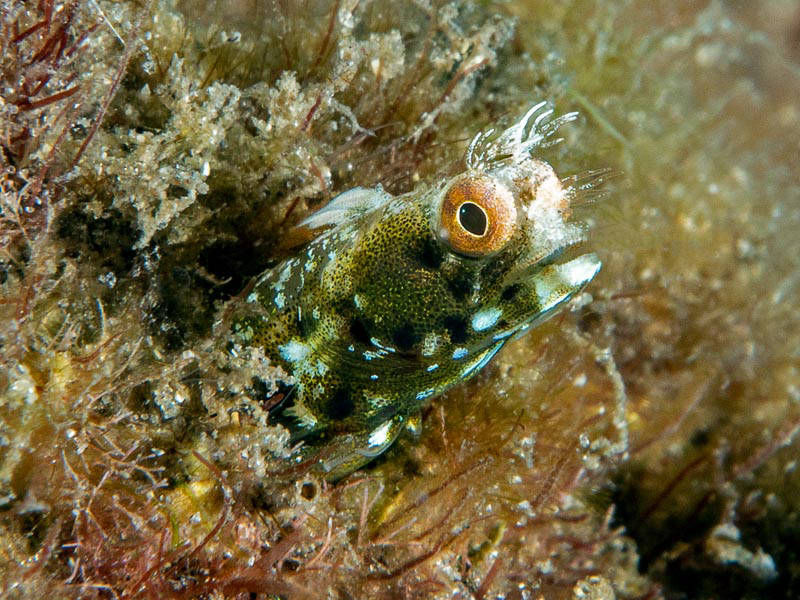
[400, 298]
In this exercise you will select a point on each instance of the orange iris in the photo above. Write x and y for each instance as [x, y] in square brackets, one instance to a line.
[478, 216]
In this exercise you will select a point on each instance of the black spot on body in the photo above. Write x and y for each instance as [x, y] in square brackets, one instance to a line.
[341, 404]
[460, 286]
[431, 254]
[304, 326]
[359, 331]
[457, 326]
[511, 291]
[405, 337]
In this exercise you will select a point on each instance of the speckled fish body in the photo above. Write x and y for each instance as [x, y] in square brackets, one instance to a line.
[400, 298]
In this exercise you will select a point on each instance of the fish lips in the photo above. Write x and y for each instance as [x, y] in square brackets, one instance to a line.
[552, 285]
[557, 283]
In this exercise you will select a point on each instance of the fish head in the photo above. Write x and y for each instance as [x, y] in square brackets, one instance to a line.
[510, 248]
[445, 276]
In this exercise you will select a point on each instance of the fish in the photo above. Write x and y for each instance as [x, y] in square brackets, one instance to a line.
[399, 298]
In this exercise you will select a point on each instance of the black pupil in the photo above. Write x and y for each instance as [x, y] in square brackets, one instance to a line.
[472, 218]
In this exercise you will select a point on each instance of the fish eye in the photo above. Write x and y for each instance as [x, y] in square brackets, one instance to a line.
[477, 216]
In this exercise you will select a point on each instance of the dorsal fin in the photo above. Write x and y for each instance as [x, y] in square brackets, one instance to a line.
[347, 206]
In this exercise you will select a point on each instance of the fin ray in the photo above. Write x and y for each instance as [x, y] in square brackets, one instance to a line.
[346, 206]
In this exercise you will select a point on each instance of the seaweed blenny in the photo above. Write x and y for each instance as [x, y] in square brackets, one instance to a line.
[398, 298]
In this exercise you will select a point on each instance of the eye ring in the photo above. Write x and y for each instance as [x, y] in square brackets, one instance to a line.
[477, 216]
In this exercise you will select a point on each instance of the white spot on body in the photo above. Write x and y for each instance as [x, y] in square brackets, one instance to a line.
[378, 344]
[280, 300]
[425, 394]
[380, 435]
[378, 402]
[484, 319]
[321, 368]
[374, 377]
[476, 293]
[432, 367]
[294, 351]
[369, 354]
[431, 343]
[459, 353]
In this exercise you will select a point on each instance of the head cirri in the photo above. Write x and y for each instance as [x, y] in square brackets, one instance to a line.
[400, 298]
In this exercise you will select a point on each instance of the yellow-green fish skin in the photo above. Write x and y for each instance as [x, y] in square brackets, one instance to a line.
[380, 312]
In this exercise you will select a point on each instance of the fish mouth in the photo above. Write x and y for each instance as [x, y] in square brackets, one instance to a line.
[554, 280]
[558, 282]
[576, 270]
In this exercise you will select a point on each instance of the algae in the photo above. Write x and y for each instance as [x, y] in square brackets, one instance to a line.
[153, 158]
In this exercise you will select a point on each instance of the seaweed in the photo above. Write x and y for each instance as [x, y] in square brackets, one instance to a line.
[154, 158]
